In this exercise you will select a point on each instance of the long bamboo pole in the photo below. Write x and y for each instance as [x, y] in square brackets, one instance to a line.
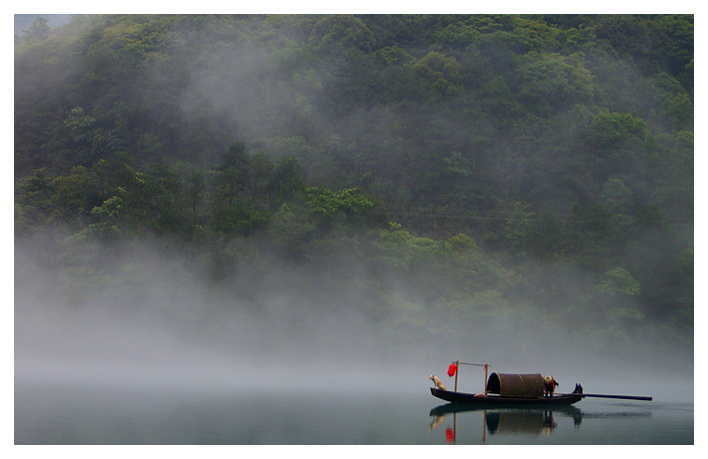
[457, 371]
[486, 370]
[625, 397]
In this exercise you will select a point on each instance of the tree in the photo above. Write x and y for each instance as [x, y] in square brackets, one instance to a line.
[230, 183]
[440, 73]
[351, 205]
[106, 221]
[617, 144]
[260, 176]
[287, 181]
[549, 82]
[166, 203]
[38, 31]
[231, 174]
[619, 281]
[516, 229]
[336, 34]
[194, 194]
[616, 196]
[72, 194]
[34, 195]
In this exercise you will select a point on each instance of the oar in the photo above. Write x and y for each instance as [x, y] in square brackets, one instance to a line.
[627, 397]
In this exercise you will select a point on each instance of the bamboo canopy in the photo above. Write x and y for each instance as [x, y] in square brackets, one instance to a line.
[516, 385]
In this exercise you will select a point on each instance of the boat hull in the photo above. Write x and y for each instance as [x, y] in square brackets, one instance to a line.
[496, 400]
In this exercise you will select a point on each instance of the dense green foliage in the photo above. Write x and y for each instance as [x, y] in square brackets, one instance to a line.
[509, 150]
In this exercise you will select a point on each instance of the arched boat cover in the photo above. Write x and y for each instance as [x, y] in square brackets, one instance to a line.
[515, 385]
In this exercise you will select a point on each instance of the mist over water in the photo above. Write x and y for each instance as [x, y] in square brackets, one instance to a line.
[291, 330]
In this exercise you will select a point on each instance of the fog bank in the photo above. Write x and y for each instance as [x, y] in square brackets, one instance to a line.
[168, 328]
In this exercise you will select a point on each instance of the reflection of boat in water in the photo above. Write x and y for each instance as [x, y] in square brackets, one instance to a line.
[530, 419]
[529, 422]
[533, 420]
[449, 408]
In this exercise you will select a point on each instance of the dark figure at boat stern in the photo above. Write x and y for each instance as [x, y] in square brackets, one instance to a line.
[549, 385]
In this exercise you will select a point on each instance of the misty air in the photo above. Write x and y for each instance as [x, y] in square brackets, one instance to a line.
[415, 229]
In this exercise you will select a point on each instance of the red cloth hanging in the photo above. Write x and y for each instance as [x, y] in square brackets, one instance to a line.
[449, 435]
[451, 370]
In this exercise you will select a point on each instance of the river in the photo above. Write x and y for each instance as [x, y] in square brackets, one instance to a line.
[70, 413]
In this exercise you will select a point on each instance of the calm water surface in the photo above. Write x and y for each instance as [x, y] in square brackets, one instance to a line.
[75, 414]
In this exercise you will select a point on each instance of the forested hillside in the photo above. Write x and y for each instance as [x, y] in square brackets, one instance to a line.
[434, 171]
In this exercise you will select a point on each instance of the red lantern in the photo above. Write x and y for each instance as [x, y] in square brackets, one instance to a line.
[449, 435]
[451, 370]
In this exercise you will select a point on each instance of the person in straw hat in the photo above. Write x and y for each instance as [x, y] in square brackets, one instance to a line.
[549, 385]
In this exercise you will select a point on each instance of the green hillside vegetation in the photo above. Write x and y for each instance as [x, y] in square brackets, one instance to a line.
[436, 170]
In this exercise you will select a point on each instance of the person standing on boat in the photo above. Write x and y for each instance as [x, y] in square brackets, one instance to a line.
[549, 385]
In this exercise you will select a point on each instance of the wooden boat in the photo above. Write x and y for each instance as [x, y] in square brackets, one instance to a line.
[504, 389]
[500, 400]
